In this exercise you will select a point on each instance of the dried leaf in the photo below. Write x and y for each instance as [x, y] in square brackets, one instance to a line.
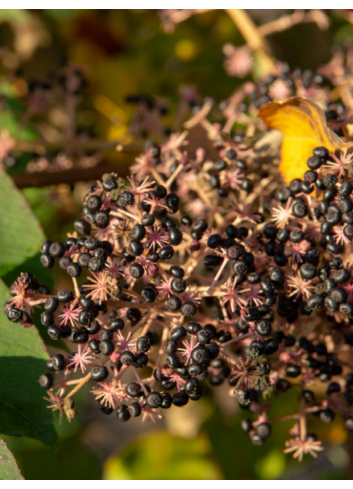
[303, 126]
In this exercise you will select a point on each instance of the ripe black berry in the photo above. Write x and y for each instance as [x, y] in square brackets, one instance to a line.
[127, 358]
[99, 373]
[138, 232]
[174, 303]
[180, 399]
[47, 261]
[51, 304]
[263, 327]
[109, 184]
[82, 226]
[177, 333]
[79, 336]
[55, 333]
[123, 413]
[307, 271]
[154, 400]
[264, 430]
[293, 371]
[188, 308]
[143, 344]
[47, 319]
[64, 296]
[166, 253]
[135, 409]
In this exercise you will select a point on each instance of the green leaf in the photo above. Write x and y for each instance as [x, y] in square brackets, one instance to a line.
[160, 456]
[23, 411]
[20, 231]
[8, 467]
[75, 460]
[21, 237]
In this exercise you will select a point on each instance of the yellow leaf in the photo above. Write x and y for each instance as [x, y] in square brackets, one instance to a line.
[304, 128]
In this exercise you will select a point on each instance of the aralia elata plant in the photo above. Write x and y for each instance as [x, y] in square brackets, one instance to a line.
[200, 269]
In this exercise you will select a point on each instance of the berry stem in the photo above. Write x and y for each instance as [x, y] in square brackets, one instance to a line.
[239, 338]
[122, 304]
[84, 380]
[224, 264]
[121, 372]
[161, 349]
[121, 212]
[302, 420]
[77, 292]
[173, 176]
[140, 381]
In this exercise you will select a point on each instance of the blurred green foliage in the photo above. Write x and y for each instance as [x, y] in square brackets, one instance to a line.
[127, 52]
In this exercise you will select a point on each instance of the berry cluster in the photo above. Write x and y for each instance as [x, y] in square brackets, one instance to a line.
[196, 271]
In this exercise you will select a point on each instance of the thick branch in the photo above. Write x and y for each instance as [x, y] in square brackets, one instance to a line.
[45, 178]
[41, 147]
[252, 36]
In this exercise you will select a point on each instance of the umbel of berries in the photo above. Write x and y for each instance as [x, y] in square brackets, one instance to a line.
[179, 287]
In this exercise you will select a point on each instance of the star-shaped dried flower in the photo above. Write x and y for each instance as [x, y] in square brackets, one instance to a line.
[282, 215]
[297, 251]
[124, 344]
[252, 295]
[232, 295]
[19, 299]
[244, 214]
[120, 229]
[143, 165]
[115, 266]
[239, 61]
[81, 358]
[69, 313]
[232, 179]
[165, 288]
[61, 383]
[300, 286]
[156, 237]
[301, 447]
[187, 350]
[100, 287]
[140, 187]
[339, 236]
[339, 165]
[108, 393]
[56, 403]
